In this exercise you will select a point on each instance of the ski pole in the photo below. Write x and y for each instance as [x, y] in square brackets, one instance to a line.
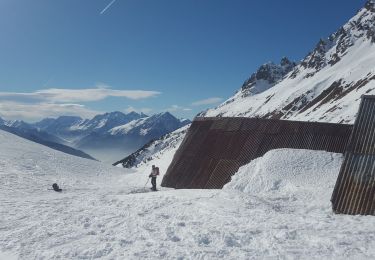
[146, 182]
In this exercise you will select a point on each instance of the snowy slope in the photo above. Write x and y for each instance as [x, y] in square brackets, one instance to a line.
[153, 150]
[325, 86]
[104, 212]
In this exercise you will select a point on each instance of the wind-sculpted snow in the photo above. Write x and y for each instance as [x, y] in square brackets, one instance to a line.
[105, 212]
[289, 172]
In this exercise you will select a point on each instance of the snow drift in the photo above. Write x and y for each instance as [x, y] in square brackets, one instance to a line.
[290, 172]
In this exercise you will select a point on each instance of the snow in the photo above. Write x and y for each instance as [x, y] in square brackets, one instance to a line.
[356, 63]
[162, 148]
[289, 172]
[124, 129]
[275, 207]
[144, 131]
[101, 123]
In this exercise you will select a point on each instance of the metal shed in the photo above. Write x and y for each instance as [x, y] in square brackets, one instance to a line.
[354, 191]
[215, 148]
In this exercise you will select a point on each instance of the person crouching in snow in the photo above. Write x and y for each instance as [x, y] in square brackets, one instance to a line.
[154, 173]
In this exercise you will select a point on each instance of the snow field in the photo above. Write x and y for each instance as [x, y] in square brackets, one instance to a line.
[277, 207]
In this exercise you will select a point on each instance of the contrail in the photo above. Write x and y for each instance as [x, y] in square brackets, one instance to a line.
[108, 6]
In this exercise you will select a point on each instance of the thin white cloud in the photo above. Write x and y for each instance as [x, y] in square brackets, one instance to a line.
[207, 101]
[37, 111]
[175, 108]
[108, 6]
[57, 95]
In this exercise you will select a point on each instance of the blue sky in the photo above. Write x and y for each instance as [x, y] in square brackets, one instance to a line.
[77, 57]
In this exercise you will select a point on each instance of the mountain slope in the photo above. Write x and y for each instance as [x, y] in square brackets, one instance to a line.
[325, 86]
[104, 122]
[155, 149]
[61, 126]
[45, 139]
[125, 139]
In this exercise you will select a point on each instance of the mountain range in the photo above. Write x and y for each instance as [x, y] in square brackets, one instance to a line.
[107, 137]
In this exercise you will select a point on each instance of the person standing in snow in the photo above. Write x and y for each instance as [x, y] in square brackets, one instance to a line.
[154, 173]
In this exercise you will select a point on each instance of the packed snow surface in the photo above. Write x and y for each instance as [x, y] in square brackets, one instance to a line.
[276, 207]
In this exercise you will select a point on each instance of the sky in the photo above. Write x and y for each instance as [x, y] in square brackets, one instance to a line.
[84, 57]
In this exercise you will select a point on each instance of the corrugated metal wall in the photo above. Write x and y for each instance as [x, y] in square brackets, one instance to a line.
[215, 148]
[354, 192]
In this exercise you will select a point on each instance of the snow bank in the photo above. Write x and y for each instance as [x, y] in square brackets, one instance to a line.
[310, 174]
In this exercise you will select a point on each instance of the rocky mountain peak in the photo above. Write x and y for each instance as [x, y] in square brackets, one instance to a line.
[370, 5]
[266, 76]
[328, 52]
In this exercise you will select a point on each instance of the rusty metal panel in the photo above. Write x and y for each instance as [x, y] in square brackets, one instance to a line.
[219, 124]
[214, 148]
[354, 192]
[234, 124]
[222, 173]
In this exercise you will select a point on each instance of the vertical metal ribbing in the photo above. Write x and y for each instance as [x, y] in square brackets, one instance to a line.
[360, 147]
[366, 206]
[364, 192]
[357, 185]
[359, 129]
[366, 149]
[338, 195]
[347, 179]
[371, 202]
[335, 198]
[367, 196]
[362, 137]
[371, 190]
[347, 167]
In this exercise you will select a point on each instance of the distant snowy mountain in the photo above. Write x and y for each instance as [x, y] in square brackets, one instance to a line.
[103, 123]
[60, 126]
[18, 124]
[155, 149]
[325, 86]
[73, 128]
[125, 139]
[45, 139]
[108, 137]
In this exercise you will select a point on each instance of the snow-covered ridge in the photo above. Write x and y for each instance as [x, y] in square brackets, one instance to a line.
[144, 125]
[124, 129]
[266, 77]
[156, 149]
[325, 86]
